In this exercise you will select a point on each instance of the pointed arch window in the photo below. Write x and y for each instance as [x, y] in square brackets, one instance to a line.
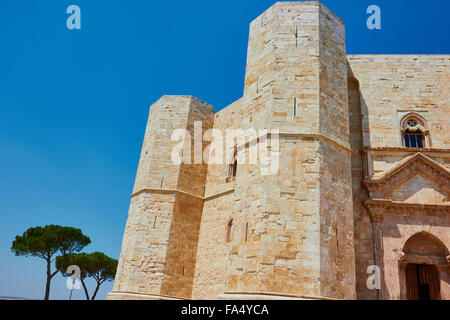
[414, 131]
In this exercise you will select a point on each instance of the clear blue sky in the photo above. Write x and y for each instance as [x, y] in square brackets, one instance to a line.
[74, 104]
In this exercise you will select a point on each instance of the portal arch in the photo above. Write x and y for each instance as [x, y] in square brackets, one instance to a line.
[424, 258]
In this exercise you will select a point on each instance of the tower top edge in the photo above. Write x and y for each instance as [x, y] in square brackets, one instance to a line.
[186, 98]
[317, 4]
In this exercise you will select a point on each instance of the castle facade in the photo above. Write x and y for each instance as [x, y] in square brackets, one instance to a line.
[358, 207]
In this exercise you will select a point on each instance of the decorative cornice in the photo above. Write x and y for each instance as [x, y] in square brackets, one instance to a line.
[379, 208]
[405, 150]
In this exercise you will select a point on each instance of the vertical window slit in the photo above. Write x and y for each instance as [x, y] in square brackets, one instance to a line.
[337, 240]
[295, 107]
[257, 84]
[296, 35]
[229, 229]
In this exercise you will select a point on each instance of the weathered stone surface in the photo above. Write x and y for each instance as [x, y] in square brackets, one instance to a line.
[348, 194]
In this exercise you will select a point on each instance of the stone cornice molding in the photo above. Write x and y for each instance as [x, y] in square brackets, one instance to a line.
[166, 191]
[263, 295]
[379, 208]
[142, 295]
[405, 150]
[281, 135]
[173, 191]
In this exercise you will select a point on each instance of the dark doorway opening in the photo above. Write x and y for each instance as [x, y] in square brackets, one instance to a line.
[422, 282]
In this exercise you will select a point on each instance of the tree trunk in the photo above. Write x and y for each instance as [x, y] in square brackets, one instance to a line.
[85, 289]
[96, 290]
[49, 278]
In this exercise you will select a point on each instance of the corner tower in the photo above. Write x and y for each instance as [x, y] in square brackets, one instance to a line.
[292, 232]
[159, 247]
[297, 54]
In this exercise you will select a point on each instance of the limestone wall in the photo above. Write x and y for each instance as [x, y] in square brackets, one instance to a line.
[392, 84]
[142, 258]
[337, 250]
[363, 230]
[213, 249]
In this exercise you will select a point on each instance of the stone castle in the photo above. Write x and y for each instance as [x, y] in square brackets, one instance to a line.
[359, 207]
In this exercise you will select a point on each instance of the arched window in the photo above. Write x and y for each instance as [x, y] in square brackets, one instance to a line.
[232, 164]
[414, 131]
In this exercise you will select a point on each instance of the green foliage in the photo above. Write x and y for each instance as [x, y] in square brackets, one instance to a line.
[96, 265]
[44, 242]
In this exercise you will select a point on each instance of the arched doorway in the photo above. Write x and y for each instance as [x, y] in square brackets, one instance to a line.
[420, 277]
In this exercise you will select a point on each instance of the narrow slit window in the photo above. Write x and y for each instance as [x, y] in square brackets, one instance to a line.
[232, 164]
[337, 239]
[229, 230]
[295, 107]
[246, 232]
